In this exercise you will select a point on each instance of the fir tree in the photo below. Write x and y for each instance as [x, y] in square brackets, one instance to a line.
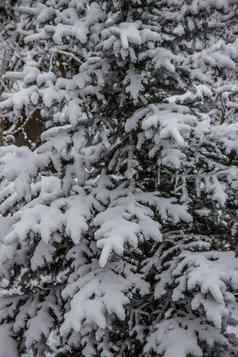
[119, 230]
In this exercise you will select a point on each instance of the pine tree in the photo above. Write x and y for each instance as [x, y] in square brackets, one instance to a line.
[118, 230]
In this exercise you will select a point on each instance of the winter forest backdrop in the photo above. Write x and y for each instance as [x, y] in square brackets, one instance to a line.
[119, 178]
